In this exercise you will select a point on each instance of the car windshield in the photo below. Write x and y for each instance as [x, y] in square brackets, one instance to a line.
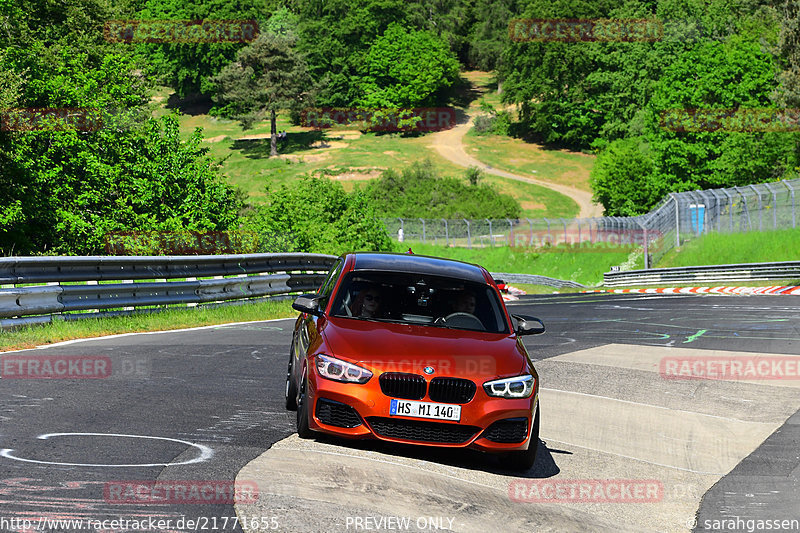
[419, 299]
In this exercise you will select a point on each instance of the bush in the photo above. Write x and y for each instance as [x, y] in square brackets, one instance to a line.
[493, 122]
[317, 215]
[419, 192]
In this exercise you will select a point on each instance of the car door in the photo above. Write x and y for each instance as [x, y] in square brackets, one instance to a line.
[306, 332]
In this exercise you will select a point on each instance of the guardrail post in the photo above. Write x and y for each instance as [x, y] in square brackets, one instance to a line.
[791, 191]
[760, 208]
[469, 237]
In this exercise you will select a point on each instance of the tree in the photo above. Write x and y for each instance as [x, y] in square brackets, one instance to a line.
[733, 75]
[405, 68]
[189, 67]
[268, 76]
[489, 33]
[789, 54]
[623, 180]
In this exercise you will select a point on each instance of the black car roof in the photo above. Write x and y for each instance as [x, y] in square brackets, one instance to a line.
[418, 264]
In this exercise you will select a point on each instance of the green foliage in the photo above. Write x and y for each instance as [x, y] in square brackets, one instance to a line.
[337, 35]
[493, 122]
[318, 216]
[735, 74]
[489, 33]
[267, 76]
[405, 68]
[75, 187]
[623, 179]
[189, 67]
[419, 192]
[789, 54]
[712, 55]
[474, 175]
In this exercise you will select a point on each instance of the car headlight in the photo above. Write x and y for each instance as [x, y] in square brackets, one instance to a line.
[516, 387]
[338, 370]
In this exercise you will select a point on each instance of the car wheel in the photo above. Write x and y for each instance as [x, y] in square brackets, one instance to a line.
[291, 387]
[523, 460]
[303, 431]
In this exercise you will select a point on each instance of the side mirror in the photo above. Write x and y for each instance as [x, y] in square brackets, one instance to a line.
[528, 325]
[307, 303]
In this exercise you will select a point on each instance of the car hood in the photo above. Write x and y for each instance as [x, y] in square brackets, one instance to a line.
[388, 347]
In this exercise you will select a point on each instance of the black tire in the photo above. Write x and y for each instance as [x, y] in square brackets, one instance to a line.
[523, 460]
[303, 431]
[291, 386]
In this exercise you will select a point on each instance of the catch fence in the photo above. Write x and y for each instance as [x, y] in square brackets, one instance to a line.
[678, 218]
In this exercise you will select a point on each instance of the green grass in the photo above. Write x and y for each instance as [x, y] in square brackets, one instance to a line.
[539, 289]
[174, 318]
[585, 267]
[723, 248]
[561, 167]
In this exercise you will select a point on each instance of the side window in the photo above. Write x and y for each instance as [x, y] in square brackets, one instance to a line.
[327, 287]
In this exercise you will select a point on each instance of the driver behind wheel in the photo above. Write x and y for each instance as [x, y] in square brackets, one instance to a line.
[464, 303]
[368, 303]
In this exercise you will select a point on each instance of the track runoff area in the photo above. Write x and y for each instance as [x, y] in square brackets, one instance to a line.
[659, 413]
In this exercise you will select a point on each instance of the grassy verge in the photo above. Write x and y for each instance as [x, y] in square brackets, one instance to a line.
[583, 266]
[722, 248]
[175, 318]
[539, 289]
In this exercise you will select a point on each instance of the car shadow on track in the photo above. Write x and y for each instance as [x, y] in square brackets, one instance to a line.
[544, 467]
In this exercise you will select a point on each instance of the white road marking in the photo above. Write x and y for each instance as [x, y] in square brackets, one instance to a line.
[206, 453]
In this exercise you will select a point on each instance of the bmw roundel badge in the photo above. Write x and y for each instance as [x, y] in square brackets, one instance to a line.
[428, 370]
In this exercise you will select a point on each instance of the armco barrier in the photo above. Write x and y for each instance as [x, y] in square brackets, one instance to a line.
[704, 274]
[109, 282]
[537, 280]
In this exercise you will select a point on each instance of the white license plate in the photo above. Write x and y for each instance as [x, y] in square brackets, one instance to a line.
[438, 411]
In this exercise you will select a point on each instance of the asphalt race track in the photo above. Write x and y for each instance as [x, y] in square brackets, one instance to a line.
[206, 405]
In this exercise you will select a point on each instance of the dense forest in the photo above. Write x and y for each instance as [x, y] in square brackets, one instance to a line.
[63, 188]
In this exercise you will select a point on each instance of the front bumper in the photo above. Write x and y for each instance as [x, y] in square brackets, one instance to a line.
[362, 411]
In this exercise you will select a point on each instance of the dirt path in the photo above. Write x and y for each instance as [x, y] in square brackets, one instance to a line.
[449, 143]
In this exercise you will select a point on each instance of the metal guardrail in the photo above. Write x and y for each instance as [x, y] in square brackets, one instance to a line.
[704, 274]
[537, 280]
[110, 282]
[42, 289]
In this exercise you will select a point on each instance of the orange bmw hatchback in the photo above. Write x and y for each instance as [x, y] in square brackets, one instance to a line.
[415, 350]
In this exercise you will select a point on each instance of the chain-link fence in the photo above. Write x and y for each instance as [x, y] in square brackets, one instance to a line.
[679, 217]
